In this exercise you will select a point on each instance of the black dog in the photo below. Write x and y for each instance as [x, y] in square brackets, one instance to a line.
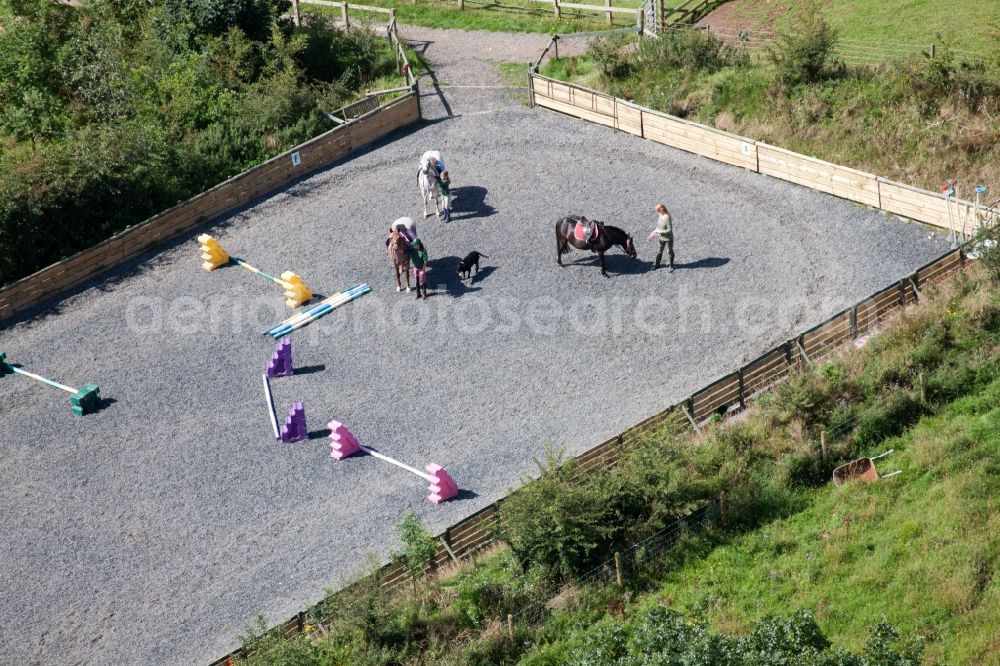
[471, 259]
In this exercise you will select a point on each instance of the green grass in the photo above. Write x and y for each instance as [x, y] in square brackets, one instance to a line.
[920, 549]
[504, 16]
[964, 25]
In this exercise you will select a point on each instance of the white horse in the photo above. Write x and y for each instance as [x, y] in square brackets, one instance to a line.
[431, 167]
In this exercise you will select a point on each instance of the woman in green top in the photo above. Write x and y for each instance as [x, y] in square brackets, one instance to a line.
[418, 257]
[444, 184]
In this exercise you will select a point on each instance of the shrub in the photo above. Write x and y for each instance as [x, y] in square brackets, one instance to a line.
[608, 54]
[555, 522]
[805, 52]
[688, 49]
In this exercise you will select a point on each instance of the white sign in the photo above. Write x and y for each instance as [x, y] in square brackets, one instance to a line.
[746, 148]
[296, 159]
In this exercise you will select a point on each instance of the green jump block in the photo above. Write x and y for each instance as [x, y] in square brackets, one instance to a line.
[86, 401]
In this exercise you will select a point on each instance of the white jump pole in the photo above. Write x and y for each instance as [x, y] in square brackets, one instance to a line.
[270, 406]
[414, 470]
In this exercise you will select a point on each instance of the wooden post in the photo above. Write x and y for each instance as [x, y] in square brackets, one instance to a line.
[461, 4]
[345, 17]
[639, 17]
[618, 569]
[722, 508]
[297, 13]
[847, 527]
[555, 41]
[510, 626]
[607, 3]
[663, 19]
[933, 50]
[555, 4]
[822, 445]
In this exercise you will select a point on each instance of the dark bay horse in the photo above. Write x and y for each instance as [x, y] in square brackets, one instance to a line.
[603, 239]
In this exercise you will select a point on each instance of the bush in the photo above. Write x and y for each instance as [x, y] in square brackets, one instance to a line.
[805, 52]
[987, 249]
[688, 49]
[608, 53]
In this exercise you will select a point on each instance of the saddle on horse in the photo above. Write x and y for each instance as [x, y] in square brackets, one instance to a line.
[586, 231]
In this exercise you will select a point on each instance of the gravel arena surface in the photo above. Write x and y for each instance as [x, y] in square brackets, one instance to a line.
[154, 531]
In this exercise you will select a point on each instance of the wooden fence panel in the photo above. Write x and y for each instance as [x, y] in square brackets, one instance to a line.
[816, 174]
[713, 398]
[235, 192]
[699, 139]
[939, 269]
[928, 207]
[763, 373]
[822, 339]
[629, 118]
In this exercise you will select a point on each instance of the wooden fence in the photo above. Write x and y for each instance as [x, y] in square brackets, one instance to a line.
[227, 196]
[727, 395]
[958, 216]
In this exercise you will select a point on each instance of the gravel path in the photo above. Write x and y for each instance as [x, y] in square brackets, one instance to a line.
[156, 530]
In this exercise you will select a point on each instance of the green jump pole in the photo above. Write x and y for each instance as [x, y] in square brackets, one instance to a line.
[68, 389]
[253, 269]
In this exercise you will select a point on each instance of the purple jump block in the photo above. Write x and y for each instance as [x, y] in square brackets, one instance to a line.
[342, 442]
[443, 487]
[281, 362]
[294, 429]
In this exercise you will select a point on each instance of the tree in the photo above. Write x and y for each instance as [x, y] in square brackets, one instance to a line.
[216, 17]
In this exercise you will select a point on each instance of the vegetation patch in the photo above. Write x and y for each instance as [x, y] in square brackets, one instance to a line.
[113, 111]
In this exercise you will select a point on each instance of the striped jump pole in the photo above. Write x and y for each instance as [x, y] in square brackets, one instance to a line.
[324, 308]
[86, 400]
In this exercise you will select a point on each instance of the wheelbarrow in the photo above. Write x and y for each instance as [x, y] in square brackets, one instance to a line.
[862, 469]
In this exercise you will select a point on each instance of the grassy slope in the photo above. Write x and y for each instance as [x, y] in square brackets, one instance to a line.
[922, 22]
[921, 551]
[505, 16]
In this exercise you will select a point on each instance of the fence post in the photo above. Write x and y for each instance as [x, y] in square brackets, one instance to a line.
[743, 399]
[555, 3]
[510, 626]
[933, 50]
[297, 14]
[531, 87]
[640, 18]
[555, 39]
[854, 321]
[344, 16]
[607, 3]
[461, 4]
[663, 19]
[618, 569]
[722, 508]
[822, 445]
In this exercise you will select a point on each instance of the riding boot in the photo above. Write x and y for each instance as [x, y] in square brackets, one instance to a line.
[418, 290]
[659, 258]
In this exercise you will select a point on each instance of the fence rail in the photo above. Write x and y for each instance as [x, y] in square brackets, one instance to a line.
[958, 216]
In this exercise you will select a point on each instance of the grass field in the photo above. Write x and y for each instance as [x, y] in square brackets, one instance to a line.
[919, 549]
[504, 16]
[966, 26]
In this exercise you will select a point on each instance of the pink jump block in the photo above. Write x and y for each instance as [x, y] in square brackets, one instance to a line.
[342, 442]
[443, 487]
